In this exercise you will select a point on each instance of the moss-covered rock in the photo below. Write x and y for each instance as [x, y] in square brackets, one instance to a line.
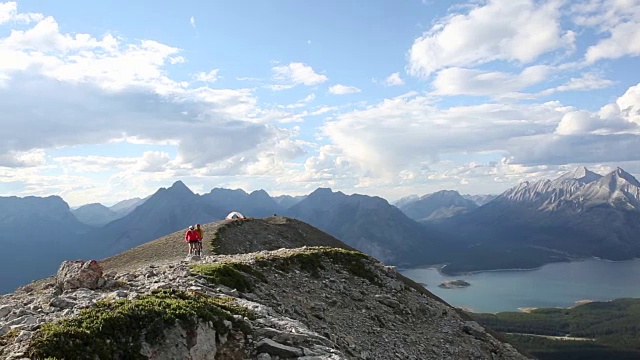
[233, 275]
[8, 338]
[117, 329]
[313, 260]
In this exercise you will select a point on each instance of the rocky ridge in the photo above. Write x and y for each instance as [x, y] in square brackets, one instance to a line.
[304, 303]
[578, 191]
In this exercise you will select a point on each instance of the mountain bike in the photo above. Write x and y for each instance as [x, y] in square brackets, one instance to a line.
[198, 248]
[195, 248]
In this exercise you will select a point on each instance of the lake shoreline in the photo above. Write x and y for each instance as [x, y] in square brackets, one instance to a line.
[439, 267]
[556, 285]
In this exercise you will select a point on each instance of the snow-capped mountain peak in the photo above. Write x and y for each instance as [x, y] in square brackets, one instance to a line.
[581, 174]
[623, 177]
[579, 190]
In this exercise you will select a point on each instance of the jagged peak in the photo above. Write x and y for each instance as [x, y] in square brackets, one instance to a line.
[581, 174]
[259, 193]
[620, 173]
[180, 188]
[522, 185]
[324, 192]
[179, 184]
[321, 190]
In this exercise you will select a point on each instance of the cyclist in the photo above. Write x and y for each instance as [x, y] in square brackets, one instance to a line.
[200, 232]
[191, 237]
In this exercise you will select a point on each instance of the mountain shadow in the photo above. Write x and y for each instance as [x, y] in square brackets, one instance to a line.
[372, 225]
[36, 234]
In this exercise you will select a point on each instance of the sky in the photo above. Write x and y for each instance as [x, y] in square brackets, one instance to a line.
[105, 101]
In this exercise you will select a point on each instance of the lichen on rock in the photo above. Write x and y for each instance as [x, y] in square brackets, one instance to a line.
[233, 275]
[79, 274]
[314, 259]
[119, 329]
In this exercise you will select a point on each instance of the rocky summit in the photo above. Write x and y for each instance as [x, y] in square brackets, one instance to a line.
[308, 302]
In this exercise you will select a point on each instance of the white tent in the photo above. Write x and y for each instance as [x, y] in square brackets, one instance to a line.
[235, 215]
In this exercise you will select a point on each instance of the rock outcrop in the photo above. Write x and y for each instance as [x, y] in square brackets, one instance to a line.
[79, 274]
[305, 303]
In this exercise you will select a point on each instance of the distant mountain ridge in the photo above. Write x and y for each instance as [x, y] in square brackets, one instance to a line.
[95, 214]
[480, 199]
[258, 203]
[53, 232]
[36, 234]
[579, 190]
[580, 214]
[369, 224]
[434, 206]
[126, 206]
[287, 201]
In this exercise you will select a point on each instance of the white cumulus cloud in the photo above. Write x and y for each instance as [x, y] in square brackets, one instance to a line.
[588, 81]
[403, 133]
[209, 77]
[340, 89]
[294, 74]
[394, 80]
[9, 13]
[629, 104]
[459, 81]
[617, 20]
[59, 89]
[512, 30]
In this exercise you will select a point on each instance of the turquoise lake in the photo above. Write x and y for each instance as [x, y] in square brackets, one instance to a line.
[553, 285]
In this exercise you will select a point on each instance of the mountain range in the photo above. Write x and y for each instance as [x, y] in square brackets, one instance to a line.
[97, 214]
[369, 224]
[581, 214]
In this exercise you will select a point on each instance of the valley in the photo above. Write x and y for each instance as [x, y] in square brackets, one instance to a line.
[596, 330]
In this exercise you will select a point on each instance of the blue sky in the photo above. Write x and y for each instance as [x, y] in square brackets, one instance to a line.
[107, 101]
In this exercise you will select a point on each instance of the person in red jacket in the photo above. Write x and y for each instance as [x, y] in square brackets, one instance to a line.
[191, 237]
[200, 232]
